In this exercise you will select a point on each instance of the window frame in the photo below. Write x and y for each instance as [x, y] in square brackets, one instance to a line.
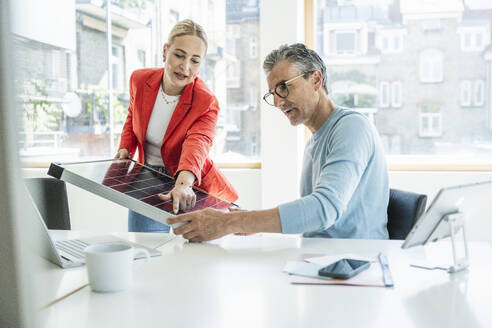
[390, 36]
[478, 84]
[382, 103]
[434, 59]
[253, 47]
[470, 35]
[430, 132]
[465, 85]
[396, 104]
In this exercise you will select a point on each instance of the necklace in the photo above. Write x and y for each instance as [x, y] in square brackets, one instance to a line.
[167, 100]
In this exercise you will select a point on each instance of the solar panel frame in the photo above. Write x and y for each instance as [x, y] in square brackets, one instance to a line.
[121, 184]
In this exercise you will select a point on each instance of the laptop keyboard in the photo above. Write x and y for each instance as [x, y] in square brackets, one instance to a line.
[74, 247]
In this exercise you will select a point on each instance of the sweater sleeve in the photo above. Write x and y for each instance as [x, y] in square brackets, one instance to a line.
[350, 147]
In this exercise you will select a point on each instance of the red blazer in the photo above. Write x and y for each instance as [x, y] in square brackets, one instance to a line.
[189, 135]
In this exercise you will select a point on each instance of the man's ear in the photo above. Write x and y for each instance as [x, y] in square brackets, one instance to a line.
[317, 79]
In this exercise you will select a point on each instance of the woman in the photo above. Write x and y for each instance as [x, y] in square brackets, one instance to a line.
[171, 121]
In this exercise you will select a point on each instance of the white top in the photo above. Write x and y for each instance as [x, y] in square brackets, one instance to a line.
[238, 282]
[159, 120]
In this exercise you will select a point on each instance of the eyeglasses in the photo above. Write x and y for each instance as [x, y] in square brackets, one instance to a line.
[280, 90]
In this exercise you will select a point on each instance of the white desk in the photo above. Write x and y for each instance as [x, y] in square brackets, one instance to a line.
[237, 282]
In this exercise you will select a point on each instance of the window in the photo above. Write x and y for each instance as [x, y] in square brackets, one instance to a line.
[141, 58]
[430, 65]
[75, 69]
[253, 97]
[173, 17]
[474, 38]
[396, 94]
[390, 41]
[345, 42]
[465, 93]
[233, 73]
[384, 94]
[253, 47]
[478, 40]
[390, 94]
[385, 43]
[478, 93]
[118, 65]
[430, 121]
[467, 44]
[396, 43]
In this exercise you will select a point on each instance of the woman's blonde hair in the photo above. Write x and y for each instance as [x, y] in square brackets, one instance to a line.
[187, 27]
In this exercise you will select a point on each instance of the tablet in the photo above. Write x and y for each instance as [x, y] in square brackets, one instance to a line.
[468, 199]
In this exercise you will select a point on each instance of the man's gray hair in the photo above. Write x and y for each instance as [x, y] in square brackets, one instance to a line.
[304, 59]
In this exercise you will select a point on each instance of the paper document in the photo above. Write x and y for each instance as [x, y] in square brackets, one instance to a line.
[306, 272]
[329, 259]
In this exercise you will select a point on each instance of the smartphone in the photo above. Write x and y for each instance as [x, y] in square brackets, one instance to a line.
[344, 268]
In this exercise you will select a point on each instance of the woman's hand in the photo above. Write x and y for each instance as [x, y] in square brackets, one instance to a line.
[122, 154]
[182, 194]
[183, 197]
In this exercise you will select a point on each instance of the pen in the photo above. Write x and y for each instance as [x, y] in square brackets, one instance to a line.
[387, 279]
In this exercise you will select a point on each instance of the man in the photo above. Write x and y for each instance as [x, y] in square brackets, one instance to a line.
[344, 182]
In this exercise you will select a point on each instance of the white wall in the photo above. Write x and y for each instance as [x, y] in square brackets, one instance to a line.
[281, 144]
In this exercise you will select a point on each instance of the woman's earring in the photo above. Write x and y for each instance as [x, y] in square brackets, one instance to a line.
[164, 59]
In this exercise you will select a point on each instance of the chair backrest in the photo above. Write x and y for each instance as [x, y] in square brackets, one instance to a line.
[50, 196]
[404, 208]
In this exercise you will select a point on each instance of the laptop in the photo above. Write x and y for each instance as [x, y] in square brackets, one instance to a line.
[70, 253]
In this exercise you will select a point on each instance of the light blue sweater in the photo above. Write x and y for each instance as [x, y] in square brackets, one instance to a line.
[344, 182]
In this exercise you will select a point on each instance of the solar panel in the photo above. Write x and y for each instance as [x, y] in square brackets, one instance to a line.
[132, 185]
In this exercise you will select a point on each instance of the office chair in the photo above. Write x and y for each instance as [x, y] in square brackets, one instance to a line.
[404, 208]
[50, 197]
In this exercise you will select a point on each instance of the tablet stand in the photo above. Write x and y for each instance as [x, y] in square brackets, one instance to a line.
[455, 222]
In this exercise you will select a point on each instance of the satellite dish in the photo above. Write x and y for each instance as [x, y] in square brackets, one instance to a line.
[71, 104]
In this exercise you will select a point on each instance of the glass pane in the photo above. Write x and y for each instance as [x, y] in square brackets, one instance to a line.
[435, 124]
[425, 54]
[63, 82]
[345, 42]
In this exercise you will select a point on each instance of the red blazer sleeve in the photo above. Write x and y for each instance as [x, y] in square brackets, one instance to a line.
[128, 137]
[199, 139]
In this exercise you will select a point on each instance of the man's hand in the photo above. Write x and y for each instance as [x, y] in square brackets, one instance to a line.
[237, 209]
[203, 225]
[183, 197]
[122, 154]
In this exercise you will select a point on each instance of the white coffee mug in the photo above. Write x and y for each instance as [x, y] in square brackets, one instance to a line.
[109, 265]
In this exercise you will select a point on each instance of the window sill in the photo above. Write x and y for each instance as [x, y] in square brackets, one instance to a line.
[224, 165]
[437, 163]
[413, 163]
